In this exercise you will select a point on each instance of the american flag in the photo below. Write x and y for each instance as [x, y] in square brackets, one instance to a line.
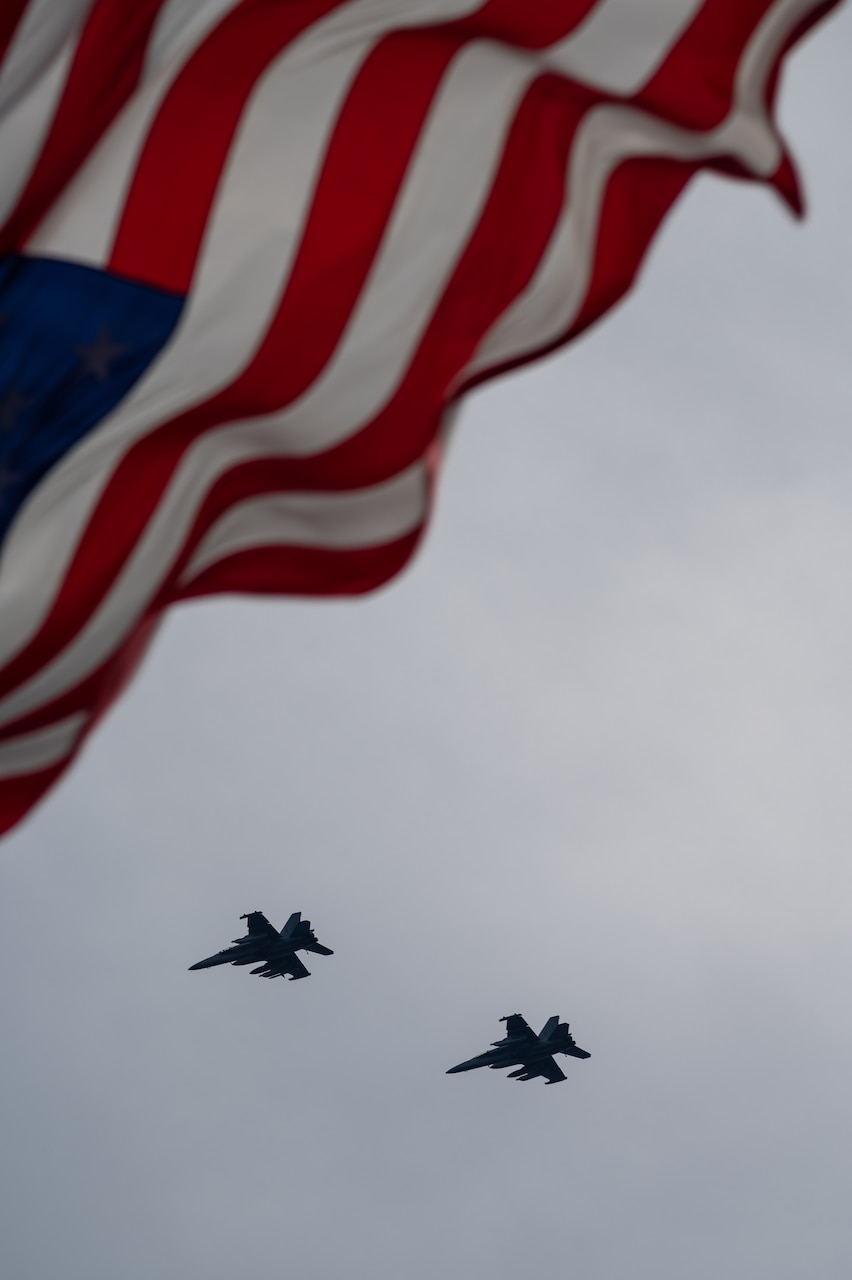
[254, 251]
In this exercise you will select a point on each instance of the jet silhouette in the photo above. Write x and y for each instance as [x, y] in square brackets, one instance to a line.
[522, 1046]
[276, 950]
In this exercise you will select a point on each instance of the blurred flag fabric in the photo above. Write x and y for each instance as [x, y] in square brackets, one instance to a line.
[253, 251]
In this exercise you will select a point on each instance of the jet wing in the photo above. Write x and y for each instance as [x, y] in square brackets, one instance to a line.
[551, 1072]
[259, 926]
[287, 966]
[518, 1028]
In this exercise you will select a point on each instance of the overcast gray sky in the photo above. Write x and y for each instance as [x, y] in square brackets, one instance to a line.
[589, 756]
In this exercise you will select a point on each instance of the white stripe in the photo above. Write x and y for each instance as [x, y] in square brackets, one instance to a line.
[333, 521]
[596, 155]
[32, 79]
[607, 137]
[252, 236]
[39, 62]
[622, 43]
[42, 32]
[438, 208]
[760, 56]
[181, 26]
[216, 453]
[244, 263]
[82, 224]
[41, 748]
[25, 125]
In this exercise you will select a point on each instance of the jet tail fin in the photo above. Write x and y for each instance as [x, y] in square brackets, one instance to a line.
[291, 925]
[549, 1028]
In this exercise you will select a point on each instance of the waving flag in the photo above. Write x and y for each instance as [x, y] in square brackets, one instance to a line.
[252, 250]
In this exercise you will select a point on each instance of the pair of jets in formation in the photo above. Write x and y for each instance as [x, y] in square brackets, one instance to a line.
[530, 1054]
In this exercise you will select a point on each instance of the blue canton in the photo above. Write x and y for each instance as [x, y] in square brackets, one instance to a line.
[73, 341]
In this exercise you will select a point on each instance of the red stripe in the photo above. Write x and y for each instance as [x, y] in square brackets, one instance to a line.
[314, 310]
[523, 207]
[18, 795]
[158, 240]
[641, 191]
[375, 453]
[694, 87]
[139, 481]
[10, 19]
[266, 570]
[500, 259]
[786, 180]
[798, 33]
[638, 196]
[363, 170]
[517, 222]
[105, 71]
[304, 571]
[522, 26]
[334, 566]
[307, 327]
[269, 569]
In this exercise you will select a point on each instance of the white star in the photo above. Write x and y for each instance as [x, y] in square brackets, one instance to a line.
[99, 355]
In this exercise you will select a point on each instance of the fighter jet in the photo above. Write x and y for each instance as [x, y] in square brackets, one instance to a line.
[534, 1053]
[276, 950]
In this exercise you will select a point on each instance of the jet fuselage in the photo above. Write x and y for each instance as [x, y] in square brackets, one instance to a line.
[533, 1054]
[274, 952]
[250, 950]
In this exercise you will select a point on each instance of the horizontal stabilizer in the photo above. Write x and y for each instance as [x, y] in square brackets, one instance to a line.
[319, 949]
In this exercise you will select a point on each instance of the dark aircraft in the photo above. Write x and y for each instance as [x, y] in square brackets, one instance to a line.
[276, 950]
[533, 1053]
